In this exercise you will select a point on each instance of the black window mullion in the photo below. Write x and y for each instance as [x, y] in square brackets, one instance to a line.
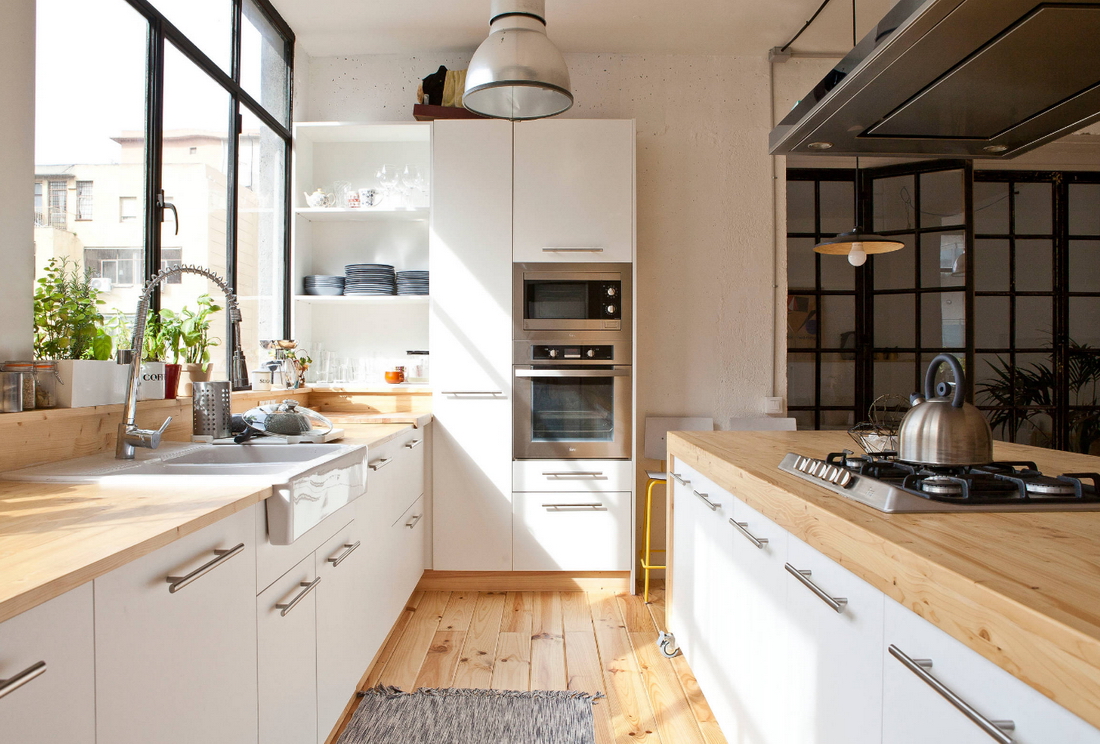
[154, 148]
[968, 279]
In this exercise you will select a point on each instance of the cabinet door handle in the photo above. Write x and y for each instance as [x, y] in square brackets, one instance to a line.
[11, 684]
[713, 506]
[175, 583]
[349, 548]
[414, 444]
[379, 464]
[743, 528]
[412, 522]
[471, 392]
[836, 604]
[576, 474]
[680, 479]
[572, 506]
[920, 667]
[309, 586]
[550, 249]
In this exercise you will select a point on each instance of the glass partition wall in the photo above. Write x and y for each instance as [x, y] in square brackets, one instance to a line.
[1000, 268]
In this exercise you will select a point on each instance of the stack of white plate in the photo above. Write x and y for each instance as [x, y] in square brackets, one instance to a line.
[323, 284]
[412, 282]
[370, 279]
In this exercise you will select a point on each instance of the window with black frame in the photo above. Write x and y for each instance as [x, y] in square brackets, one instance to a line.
[182, 120]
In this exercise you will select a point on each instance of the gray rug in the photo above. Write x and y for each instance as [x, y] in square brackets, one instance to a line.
[454, 716]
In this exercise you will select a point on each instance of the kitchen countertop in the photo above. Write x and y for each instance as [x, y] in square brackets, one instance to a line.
[1021, 589]
[57, 536]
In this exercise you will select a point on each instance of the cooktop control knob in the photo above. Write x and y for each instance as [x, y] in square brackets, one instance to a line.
[611, 292]
[610, 309]
[591, 353]
[553, 353]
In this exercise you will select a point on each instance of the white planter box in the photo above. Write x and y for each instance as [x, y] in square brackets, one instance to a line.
[87, 382]
[152, 381]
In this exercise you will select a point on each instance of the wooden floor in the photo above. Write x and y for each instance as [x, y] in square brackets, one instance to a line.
[596, 642]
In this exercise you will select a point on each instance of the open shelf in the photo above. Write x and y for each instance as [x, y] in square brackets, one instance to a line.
[338, 131]
[369, 214]
[364, 299]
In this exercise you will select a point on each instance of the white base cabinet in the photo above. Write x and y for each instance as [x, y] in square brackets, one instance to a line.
[56, 704]
[180, 667]
[571, 531]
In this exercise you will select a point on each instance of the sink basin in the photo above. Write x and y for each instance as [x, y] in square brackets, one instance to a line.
[308, 481]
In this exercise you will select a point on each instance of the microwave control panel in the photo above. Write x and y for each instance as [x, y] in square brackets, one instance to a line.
[572, 353]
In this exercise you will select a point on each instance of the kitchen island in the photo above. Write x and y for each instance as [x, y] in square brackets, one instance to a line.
[1020, 589]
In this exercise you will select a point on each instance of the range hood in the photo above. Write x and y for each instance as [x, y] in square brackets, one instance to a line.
[955, 78]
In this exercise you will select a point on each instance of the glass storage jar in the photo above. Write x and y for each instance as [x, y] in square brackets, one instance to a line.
[26, 370]
[46, 380]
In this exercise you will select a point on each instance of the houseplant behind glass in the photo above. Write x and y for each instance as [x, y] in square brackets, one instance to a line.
[195, 342]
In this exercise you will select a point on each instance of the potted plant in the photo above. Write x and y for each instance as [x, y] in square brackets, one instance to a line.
[69, 328]
[195, 343]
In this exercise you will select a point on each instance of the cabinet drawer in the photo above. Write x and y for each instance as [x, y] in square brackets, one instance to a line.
[405, 545]
[272, 561]
[58, 633]
[572, 475]
[395, 475]
[555, 531]
[915, 712]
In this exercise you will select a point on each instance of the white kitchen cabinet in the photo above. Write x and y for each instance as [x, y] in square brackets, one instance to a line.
[180, 666]
[834, 658]
[574, 190]
[395, 475]
[572, 531]
[286, 622]
[470, 328]
[55, 701]
[915, 713]
[406, 544]
[572, 475]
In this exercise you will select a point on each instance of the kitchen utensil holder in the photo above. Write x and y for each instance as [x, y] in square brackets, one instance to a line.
[211, 410]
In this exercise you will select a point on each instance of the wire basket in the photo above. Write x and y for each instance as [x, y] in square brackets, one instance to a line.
[880, 433]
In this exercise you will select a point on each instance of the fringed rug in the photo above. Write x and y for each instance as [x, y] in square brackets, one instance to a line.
[452, 716]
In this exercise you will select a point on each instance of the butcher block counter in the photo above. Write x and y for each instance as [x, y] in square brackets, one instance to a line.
[57, 536]
[1021, 589]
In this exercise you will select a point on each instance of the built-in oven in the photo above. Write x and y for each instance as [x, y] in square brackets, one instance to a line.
[555, 297]
[572, 401]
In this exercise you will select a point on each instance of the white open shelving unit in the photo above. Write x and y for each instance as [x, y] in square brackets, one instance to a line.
[325, 240]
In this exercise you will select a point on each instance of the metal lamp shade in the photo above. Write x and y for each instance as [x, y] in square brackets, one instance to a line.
[842, 244]
[517, 72]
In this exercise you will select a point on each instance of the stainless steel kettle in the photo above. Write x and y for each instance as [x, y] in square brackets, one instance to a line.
[945, 430]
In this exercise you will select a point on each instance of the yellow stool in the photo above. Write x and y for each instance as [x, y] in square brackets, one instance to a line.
[654, 477]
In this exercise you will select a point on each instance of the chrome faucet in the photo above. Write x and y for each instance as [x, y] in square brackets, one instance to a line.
[129, 435]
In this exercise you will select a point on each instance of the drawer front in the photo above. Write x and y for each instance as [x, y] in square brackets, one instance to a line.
[913, 711]
[395, 475]
[573, 475]
[406, 545]
[272, 561]
[554, 531]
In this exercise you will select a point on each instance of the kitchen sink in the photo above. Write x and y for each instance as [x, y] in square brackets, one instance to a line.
[308, 481]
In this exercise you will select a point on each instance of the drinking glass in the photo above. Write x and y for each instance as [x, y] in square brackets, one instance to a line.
[388, 177]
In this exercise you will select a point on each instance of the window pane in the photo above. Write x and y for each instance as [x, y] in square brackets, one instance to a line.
[804, 420]
[943, 320]
[941, 198]
[992, 384]
[1034, 265]
[842, 420]
[991, 322]
[991, 266]
[800, 207]
[837, 273]
[196, 116]
[264, 62]
[800, 379]
[894, 270]
[838, 321]
[1084, 320]
[943, 263]
[837, 207]
[838, 380]
[1084, 266]
[260, 235]
[208, 24]
[1033, 209]
[895, 374]
[990, 208]
[893, 203]
[90, 117]
[894, 321]
[801, 321]
[1033, 322]
[800, 264]
[1084, 209]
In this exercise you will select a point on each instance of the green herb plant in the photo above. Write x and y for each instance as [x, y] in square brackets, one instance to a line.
[194, 341]
[67, 321]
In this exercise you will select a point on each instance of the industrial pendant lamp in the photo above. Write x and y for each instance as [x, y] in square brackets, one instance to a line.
[856, 243]
[517, 72]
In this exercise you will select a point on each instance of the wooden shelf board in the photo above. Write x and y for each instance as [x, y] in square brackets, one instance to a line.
[365, 299]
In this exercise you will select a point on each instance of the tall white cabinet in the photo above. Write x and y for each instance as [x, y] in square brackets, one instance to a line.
[470, 332]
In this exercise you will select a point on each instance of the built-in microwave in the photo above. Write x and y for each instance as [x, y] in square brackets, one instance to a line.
[571, 297]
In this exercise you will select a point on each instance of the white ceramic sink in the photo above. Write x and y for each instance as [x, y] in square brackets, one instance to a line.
[308, 481]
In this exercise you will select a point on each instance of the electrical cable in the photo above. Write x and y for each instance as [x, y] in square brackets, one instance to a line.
[805, 26]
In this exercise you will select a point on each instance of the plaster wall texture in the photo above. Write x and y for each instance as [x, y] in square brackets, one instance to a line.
[16, 177]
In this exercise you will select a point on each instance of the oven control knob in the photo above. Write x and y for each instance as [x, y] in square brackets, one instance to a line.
[552, 353]
[591, 353]
[610, 309]
[611, 292]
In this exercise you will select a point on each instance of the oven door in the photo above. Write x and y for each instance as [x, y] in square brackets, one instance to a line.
[564, 413]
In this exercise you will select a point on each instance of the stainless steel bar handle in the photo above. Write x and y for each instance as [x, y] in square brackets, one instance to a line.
[175, 583]
[414, 444]
[11, 684]
[575, 473]
[837, 604]
[471, 392]
[572, 506]
[680, 479]
[381, 463]
[576, 372]
[713, 506]
[412, 522]
[309, 586]
[920, 667]
[572, 250]
[743, 528]
[349, 548]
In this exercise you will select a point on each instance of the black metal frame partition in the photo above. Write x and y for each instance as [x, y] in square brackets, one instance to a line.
[160, 30]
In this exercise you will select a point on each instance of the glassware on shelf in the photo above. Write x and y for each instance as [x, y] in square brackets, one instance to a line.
[341, 191]
[410, 183]
[388, 178]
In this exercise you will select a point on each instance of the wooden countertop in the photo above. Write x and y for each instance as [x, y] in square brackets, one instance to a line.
[1021, 589]
[57, 536]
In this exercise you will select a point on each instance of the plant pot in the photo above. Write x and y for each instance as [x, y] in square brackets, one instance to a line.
[89, 382]
[152, 381]
[193, 373]
[171, 380]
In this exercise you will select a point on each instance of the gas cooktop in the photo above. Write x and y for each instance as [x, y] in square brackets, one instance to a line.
[891, 485]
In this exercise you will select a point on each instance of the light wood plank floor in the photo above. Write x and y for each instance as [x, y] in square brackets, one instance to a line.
[596, 642]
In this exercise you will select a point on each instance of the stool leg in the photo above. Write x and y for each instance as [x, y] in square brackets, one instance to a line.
[648, 529]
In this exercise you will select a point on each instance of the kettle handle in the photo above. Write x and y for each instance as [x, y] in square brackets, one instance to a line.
[956, 370]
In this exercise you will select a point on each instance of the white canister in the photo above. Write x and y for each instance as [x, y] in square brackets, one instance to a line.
[152, 381]
[261, 379]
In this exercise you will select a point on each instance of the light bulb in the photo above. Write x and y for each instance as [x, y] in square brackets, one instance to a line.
[856, 256]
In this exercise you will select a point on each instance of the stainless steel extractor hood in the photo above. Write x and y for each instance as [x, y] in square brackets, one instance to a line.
[956, 78]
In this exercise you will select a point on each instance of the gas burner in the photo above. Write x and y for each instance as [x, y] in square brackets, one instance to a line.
[942, 485]
[1043, 487]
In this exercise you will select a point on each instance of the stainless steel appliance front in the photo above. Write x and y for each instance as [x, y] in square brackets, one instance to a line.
[589, 298]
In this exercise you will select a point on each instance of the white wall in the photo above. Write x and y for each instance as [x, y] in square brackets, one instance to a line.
[16, 178]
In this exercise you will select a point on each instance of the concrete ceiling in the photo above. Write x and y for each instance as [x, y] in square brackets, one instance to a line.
[724, 27]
